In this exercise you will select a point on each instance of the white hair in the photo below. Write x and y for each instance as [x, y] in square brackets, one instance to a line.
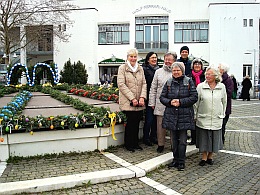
[224, 67]
[132, 51]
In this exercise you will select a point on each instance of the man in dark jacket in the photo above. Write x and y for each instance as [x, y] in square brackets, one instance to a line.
[184, 51]
[150, 125]
[227, 81]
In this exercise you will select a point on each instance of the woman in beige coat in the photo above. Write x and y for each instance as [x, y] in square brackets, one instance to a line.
[160, 77]
[132, 94]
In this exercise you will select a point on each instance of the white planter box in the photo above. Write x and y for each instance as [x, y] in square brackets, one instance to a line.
[58, 141]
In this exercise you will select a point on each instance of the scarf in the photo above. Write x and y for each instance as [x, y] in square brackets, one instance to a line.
[196, 75]
[134, 69]
[167, 68]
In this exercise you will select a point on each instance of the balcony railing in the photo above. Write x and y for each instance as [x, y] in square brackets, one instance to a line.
[155, 46]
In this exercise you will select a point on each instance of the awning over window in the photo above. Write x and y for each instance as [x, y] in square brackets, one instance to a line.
[111, 62]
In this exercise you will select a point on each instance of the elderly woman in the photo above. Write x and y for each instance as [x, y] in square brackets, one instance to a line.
[229, 84]
[198, 76]
[209, 113]
[178, 95]
[159, 79]
[132, 94]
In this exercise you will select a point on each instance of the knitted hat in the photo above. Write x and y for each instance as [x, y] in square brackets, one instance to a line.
[197, 60]
[180, 65]
[184, 48]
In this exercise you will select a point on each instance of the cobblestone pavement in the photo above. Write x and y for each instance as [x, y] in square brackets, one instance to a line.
[235, 169]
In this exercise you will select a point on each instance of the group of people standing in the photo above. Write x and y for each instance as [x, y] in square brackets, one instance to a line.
[179, 96]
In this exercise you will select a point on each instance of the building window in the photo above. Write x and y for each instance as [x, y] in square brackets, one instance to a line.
[244, 22]
[151, 32]
[251, 22]
[113, 34]
[45, 41]
[189, 32]
[247, 70]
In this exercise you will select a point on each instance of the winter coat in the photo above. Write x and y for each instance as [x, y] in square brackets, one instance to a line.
[160, 77]
[182, 117]
[227, 81]
[211, 106]
[187, 64]
[131, 85]
[149, 72]
[246, 83]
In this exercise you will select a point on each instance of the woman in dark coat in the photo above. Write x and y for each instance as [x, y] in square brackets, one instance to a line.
[178, 95]
[227, 81]
[246, 83]
[234, 93]
[150, 125]
[198, 76]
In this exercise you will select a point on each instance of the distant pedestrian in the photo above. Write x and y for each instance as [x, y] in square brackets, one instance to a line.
[234, 93]
[209, 113]
[227, 81]
[247, 85]
[178, 95]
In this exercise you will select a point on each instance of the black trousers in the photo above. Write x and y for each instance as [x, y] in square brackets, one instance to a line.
[225, 120]
[132, 128]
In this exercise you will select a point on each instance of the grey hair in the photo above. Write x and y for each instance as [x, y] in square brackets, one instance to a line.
[132, 51]
[197, 60]
[179, 65]
[171, 53]
[218, 77]
[224, 67]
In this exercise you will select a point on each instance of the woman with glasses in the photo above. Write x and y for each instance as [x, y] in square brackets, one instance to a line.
[149, 130]
[198, 76]
[160, 77]
[178, 95]
[209, 113]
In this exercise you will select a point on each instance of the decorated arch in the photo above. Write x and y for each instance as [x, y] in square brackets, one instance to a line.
[11, 72]
[54, 74]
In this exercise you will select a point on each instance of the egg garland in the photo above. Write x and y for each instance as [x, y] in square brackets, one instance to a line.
[13, 122]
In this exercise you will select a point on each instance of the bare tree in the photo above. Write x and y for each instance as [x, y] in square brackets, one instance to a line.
[36, 17]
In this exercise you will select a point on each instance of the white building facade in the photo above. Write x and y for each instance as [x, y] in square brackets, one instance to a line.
[216, 31]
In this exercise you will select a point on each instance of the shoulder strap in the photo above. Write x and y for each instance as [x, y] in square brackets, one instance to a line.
[169, 82]
[186, 81]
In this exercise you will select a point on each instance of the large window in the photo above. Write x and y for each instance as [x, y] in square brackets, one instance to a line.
[113, 34]
[247, 70]
[151, 32]
[189, 32]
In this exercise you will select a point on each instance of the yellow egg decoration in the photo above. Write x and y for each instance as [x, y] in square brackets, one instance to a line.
[16, 127]
[76, 125]
[62, 123]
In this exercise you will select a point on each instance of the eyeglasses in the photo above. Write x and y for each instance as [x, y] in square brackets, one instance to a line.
[210, 75]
